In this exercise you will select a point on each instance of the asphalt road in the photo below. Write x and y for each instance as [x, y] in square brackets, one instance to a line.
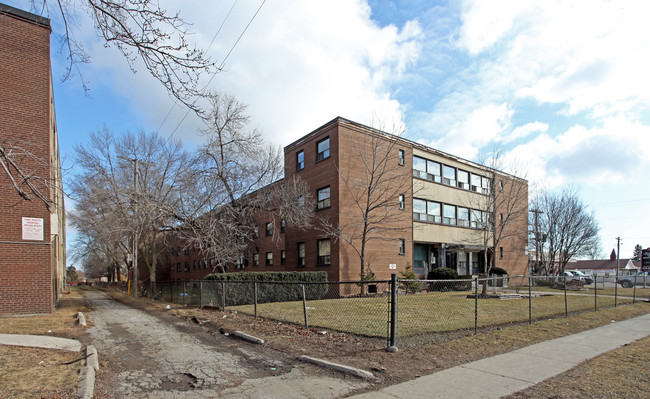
[143, 355]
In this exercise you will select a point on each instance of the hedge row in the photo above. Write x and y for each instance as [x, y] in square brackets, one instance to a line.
[271, 286]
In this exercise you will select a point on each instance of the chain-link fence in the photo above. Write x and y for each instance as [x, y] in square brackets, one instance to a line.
[406, 309]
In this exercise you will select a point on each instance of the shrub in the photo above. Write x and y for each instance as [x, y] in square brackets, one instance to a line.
[271, 287]
[499, 271]
[442, 273]
[408, 274]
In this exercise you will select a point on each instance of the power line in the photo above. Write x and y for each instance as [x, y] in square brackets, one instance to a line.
[222, 63]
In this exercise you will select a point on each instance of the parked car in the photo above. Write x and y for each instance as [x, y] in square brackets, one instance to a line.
[587, 278]
[636, 278]
[571, 278]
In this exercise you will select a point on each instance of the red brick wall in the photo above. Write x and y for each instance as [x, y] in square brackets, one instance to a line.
[25, 266]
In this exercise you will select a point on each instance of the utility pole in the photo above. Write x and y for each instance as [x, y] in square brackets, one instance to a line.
[136, 162]
[618, 252]
[536, 212]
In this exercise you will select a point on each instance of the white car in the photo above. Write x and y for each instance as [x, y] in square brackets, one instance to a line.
[586, 278]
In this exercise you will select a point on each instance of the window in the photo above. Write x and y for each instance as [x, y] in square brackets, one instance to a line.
[178, 267]
[449, 175]
[426, 211]
[449, 214]
[300, 160]
[283, 224]
[433, 171]
[500, 252]
[301, 254]
[269, 229]
[323, 149]
[463, 217]
[323, 196]
[402, 246]
[256, 232]
[283, 257]
[187, 267]
[256, 259]
[301, 201]
[323, 252]
[485, 185]
[400, 157]
[241, 262]
[476, 219]
[463, 179]
[501, 218]
[476, 183]
[194, 264]
[433, 212]
[269, 258]
[501, 186]
[402, 204]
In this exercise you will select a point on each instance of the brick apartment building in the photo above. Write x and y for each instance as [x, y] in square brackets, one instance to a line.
[32, 237]
[436, 219]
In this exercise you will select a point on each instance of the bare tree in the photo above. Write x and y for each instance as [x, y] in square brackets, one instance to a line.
[501, 213]
[569, 228]
[139, 29]
[375, 187]
[235, 179]
[111, 210]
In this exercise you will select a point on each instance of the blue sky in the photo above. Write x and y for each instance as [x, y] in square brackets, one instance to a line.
[560, 85]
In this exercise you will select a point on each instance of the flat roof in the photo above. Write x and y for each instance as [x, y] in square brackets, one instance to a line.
[25, 16]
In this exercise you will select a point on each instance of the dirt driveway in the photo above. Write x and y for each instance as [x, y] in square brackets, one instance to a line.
[146, 355]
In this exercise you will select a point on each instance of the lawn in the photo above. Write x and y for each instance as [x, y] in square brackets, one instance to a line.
[424, 313]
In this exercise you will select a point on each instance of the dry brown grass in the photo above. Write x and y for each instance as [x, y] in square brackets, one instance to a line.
[622, 373]
[31, 372]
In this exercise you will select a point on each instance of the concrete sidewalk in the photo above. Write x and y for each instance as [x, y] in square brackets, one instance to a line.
[40, 341]
[511, 372]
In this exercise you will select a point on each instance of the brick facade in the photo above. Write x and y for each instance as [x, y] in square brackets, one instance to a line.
[445, 243]
[31, 268]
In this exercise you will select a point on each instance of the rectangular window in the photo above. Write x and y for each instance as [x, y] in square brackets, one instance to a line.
[269, 229]
[419, 167]
[433, 212]
[433, 171]
[501, 218]
[178, 267]
[476, 183]
[269, 258]
[419, 210]
[500, 186]
[449, 214]
[187, 266]
[402, 246]
[194, 264]
[323, 249]
[256, 231]
[463, 179]
[400, 157]
[301, 201]
[323, 149]
[463, 217]
[402, 204]
[323, 196]
[485, 185]
[475, 219]
[500, 252]
[283, 257]
[241, 262]
[449, 175]
[283, 224]
[256, 259]
[300, 160]
[301, 254]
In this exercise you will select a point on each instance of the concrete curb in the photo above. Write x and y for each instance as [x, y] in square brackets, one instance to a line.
[92, 359]
[82, 319]
[248, 337]
[86, 383]
[366, 375]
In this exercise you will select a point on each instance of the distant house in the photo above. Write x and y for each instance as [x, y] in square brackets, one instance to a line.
[605, 267]
[32, 220]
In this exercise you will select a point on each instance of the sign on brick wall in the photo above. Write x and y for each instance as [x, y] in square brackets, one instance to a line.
[33, 229]
[645, 260]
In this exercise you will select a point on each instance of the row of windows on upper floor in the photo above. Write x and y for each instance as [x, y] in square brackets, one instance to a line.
[436, 212]
[440, 173]
[422, 168]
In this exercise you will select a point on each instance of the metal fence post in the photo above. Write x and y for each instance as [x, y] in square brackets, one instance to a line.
[530, 300]
[566, 304]
[200, 294]
[184, 293]
[304, 305]
[596, 293]
[615, 289]
[255, 299]
[476, 306]
[223, 296]
[393, 314]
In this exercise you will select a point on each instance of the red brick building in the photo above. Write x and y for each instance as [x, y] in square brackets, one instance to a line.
[32, 237]
[436, 213]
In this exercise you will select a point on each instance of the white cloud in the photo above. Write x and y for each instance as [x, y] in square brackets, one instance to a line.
[524, 131]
